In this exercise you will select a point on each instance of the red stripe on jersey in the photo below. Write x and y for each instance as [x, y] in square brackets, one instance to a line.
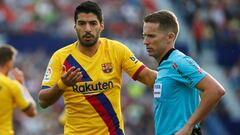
[67, 65]
[102, 112]
[70, 62]
[134, 77]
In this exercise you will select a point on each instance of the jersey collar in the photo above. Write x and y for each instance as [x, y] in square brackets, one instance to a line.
[167, 55]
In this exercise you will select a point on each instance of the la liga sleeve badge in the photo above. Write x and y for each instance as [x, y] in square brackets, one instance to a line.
[48, 74]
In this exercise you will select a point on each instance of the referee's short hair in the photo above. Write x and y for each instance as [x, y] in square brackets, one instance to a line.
[167, 20]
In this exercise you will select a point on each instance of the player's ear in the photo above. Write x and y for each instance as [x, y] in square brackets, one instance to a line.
[9, 64]
[102, 26]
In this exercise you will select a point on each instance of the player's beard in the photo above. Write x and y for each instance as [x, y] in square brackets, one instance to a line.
[88, 43]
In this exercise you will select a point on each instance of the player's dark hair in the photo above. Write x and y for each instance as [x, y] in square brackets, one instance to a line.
[6, 54]
[166, 19]
[89, 7]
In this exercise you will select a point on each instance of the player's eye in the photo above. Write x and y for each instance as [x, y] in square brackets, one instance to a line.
[81, 23]
[93, 23]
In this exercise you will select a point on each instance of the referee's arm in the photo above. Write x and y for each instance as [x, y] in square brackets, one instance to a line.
[212, 91]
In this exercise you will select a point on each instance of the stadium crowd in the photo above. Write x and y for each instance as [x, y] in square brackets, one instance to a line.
[215, 24]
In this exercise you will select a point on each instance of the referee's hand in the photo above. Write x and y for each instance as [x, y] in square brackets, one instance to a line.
[186, 130]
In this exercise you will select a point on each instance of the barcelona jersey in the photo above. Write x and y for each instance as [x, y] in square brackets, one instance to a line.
[93, 104]
[11, 95]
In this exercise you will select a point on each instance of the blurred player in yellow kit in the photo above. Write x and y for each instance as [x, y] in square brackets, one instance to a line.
[62, 118]
[12, 91]
[88, 73]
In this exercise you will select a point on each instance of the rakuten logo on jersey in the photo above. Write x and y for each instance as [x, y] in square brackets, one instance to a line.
[87, 88]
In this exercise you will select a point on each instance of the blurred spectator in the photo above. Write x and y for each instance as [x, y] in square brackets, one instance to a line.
[7, 16]
[198, 28]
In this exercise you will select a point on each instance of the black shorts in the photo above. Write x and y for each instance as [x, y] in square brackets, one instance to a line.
[196, 131]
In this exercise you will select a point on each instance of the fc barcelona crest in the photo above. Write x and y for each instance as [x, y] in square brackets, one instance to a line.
[107, 67]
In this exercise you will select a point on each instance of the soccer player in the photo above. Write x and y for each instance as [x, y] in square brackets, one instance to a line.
[62, 118]
[12, 91]
[88, 73]
[177, 105]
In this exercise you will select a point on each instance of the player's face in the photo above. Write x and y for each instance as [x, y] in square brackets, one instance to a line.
[154, 40]
[88, 29]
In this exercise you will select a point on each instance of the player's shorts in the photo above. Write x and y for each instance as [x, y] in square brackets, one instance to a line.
[196, 131]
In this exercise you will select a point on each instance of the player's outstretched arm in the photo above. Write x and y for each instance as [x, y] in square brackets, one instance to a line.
[31, 110]
[50, 95]
[147, 76]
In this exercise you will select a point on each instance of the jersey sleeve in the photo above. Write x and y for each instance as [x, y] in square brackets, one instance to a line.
[189, 71]
[130, 64]
[53, 72]
[19, 96]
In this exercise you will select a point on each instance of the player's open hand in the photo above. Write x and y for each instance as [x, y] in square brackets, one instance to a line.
[72, 76]
[17, 74]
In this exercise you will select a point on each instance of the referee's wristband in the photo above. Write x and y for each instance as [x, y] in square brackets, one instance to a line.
[61, 85]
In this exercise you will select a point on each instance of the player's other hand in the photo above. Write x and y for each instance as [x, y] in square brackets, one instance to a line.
[72, 76]
[17, 74]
